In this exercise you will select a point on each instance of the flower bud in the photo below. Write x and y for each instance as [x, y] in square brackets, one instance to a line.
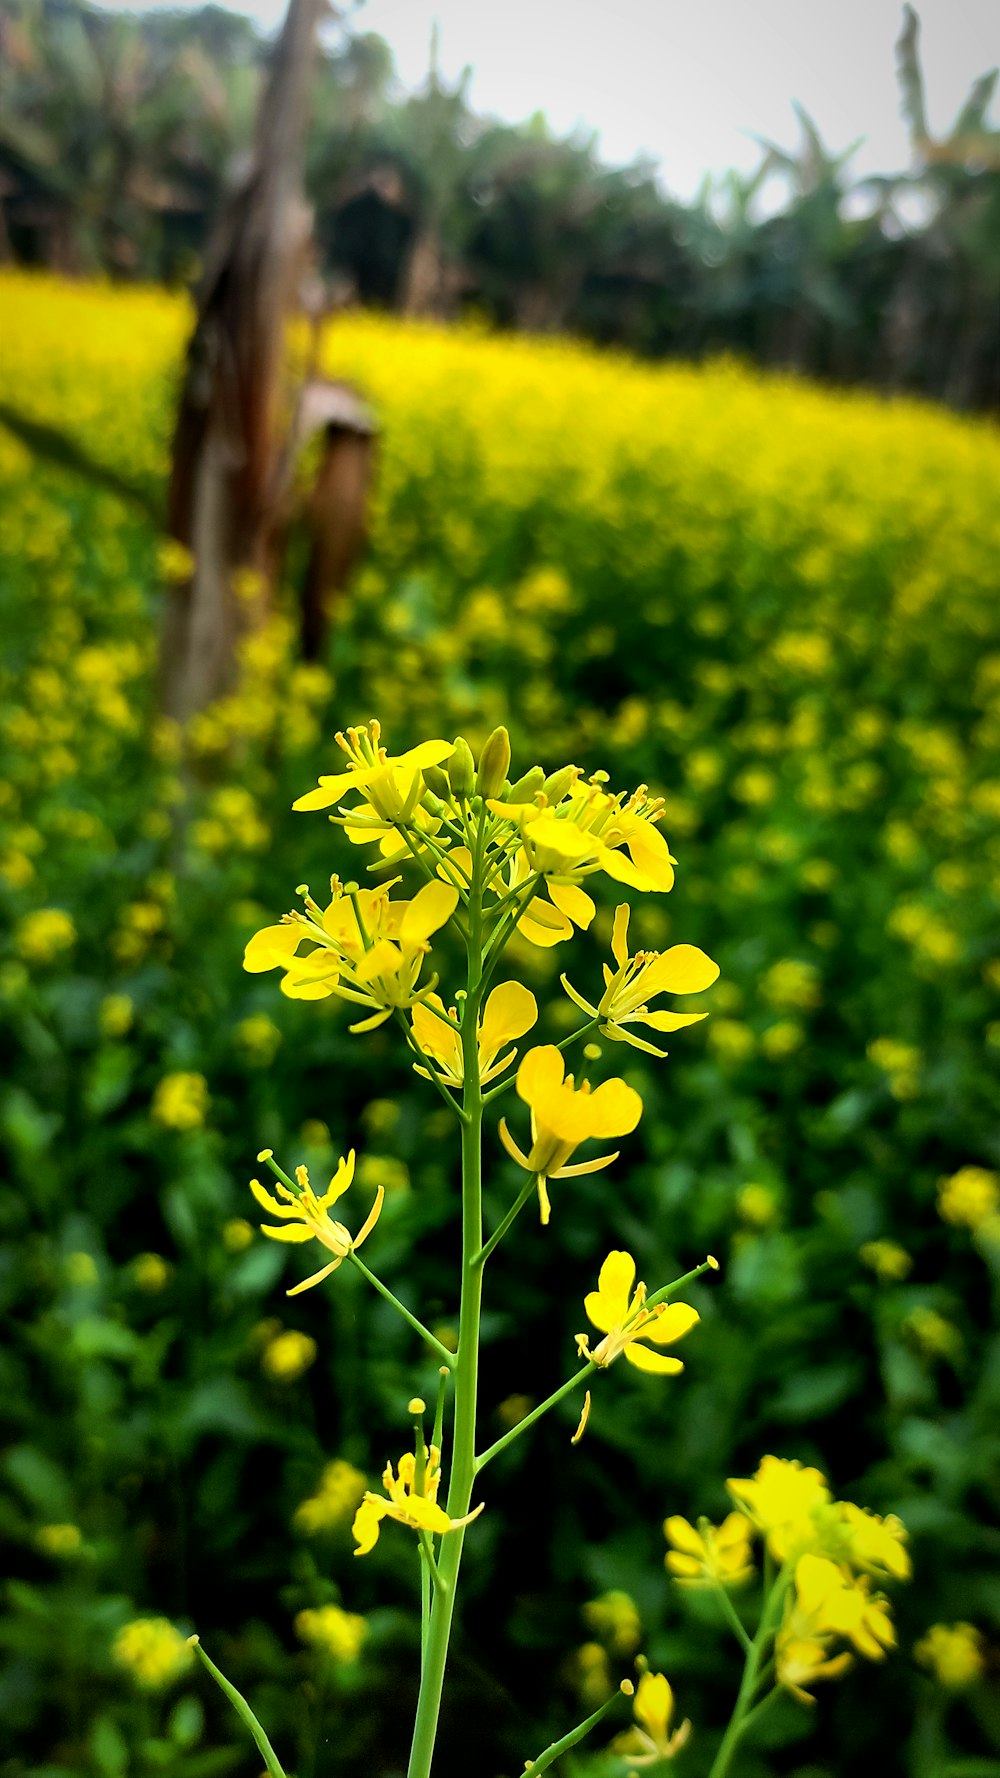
[462, 769]
[494, 764]
[556, 786]
[524, 790]
[437, 783]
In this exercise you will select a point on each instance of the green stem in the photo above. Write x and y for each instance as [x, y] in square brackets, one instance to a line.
[745, 1708]
[243, 1711]
[536, 1414]
[466, 1369]
[417, 1326]
[536, 1766]
[499, 1232]
[730, 1614]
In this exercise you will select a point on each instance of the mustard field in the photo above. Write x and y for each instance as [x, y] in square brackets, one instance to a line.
[778, 607]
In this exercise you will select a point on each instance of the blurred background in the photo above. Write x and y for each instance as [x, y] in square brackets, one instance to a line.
[660, 426]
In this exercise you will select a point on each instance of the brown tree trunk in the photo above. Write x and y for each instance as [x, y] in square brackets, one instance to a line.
[229, 461]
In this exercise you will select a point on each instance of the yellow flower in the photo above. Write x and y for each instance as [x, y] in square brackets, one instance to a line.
[391, 789]
[584, 829]
[969, 1197]
[828, 1603]
[509, 1012]
[59, 1540]
[153, 1651]
[115, 1015]
[409, 1503]
[288, 1356]
[781, 1500]
[622, 1318]
[181, 1101]
[340, 1489]
[886, 1258]
[151, 1272]
[236, 1234]
[563, 1116]
[681, 970]
[305, 1217]
[367, 949]
[953, 1653]
[337, 1633]
[615, 1617]
[869, 1542]
[41, 935]
[712, 1555]
[650, 1740]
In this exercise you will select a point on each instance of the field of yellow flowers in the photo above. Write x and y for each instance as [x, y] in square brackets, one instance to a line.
[779, 608]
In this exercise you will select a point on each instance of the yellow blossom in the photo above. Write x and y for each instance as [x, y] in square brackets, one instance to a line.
[509, 1013]
[334, 1632]
[563, 1116]
[780, 1500]
[970, 1197]
[615, 1618]
[340, 1489]
[711, 1555]
[886, 1258]
[60, 1541]
[410, 1499]
[115, 1015]
[288, 1356]
[180, 1102]
[151, 1272]
[153, 1651]
[391, 789]
[683, 969]
[305, 1217]
[624, 1321]
[953, 1653]
[650, 1739]
[44, 934]
[237, 1234]
[367, 949]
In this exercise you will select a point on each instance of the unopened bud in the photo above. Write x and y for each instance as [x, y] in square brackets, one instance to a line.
[524, 790]
[416, 1406]
[462, 768]
[556, 786]
[437, 782]
[494, 764]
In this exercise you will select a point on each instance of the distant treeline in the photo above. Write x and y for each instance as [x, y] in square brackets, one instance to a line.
[119, 136]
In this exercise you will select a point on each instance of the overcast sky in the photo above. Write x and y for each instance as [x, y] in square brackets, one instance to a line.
[691, 81]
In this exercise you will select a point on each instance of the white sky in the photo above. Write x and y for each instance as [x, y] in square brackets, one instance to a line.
[690, 81]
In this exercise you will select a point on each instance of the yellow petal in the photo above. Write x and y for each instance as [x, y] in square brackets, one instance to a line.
[619, 935]
[317, 1278]
[269, 1203]
[600, 1311]
[684, 1536]
[510, 1011]
[540, 1075]
[681, 970]
[296, 1233]
[615, 1109]
[544, 925]
[430, 908]
[384, 958]
[331, 789]
[654, 1704]
[669, 1021]
[340, 1181]
[574, 902]
[272, 946]
[434, 1037]
[371, 1219]
[676, 1320]
[367, 1524]
[655, 1362]
[650, 852]
[615, 1283]
[428, 753]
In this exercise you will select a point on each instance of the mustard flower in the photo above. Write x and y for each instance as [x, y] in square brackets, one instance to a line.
[712, 1555]
[406, 1501]
[547, 922]
[180, 1102]
[43, 934]
[305, 1217]
[615, 1617]
[970, 1197]
[366, 948]
[887, 1259]
[588, 830]
[510, 1011]
[781, 1500]
[681, 970]
[828, 1603]
[953, 1653]
[60, 1541]
[563, 1116]
[340, 1489]
[339, 1634]
[288, 1356]
[391, 786]
[620, 1315]
[153, 1651]
[650, 1739]
[869, 1542]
